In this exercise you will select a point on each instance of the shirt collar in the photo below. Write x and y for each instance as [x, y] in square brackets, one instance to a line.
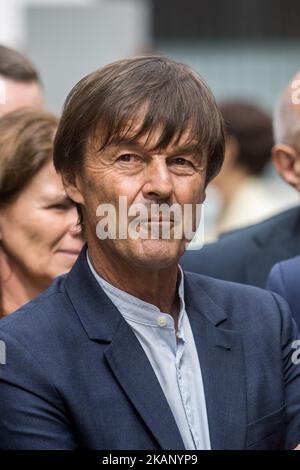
[137, 310]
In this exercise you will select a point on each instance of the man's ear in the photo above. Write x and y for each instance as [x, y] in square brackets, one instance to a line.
[73, 189]
[4, 216]
[286, 161]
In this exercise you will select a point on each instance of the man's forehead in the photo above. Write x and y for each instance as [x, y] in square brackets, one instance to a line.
[149, 140]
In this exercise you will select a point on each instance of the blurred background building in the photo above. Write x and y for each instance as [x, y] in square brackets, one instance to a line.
[246, 49]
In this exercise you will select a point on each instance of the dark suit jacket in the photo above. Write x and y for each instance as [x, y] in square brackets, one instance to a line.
[77, 377]
[285, 280]
[247, 255]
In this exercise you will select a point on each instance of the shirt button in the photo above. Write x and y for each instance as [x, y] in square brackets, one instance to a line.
[162, 321]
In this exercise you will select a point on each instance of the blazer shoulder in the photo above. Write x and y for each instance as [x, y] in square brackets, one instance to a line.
[219, 288]
[244, 305]
[290, 266]
[224, 260]
[284, 221]
[284, 275]
[37, 314]
[283, 280]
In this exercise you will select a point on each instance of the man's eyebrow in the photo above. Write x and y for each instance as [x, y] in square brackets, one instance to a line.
[124, 143]
[56, 198]
[186, 150]
[189, 149]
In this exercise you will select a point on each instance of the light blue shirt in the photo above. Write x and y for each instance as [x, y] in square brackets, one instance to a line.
[173, 357]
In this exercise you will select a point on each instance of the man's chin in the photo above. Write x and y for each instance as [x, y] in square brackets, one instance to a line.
[157, 254]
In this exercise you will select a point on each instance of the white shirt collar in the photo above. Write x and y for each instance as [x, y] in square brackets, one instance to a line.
[137, 310]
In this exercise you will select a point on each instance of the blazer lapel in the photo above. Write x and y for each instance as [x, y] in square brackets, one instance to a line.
[134, 373]
[221, 359]
[124, 354]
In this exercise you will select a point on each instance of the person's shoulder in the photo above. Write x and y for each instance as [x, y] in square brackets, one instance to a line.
[225, 247]
[38, 314]
[243, 304]
[282, 221]
[222, 289]
[291, 265]
[233, 256]
[284, 276]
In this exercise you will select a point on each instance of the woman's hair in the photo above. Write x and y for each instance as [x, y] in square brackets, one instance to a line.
[15, 66]
[26, 144]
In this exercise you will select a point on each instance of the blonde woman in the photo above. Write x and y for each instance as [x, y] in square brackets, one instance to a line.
[38, 235]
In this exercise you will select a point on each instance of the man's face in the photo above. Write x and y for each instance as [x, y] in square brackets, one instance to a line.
[15, 95]
[146, 177]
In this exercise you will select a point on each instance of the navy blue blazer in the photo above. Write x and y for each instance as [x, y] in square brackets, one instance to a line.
[76, 377]
[247, 255]
[285, 280]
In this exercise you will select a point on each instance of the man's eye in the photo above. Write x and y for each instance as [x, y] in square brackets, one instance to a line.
[60, 207]
[129, 158]
[181, 162]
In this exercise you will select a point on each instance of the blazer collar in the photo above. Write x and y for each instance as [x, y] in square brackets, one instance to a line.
[98, 315]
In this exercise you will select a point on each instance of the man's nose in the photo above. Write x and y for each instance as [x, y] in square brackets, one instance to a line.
[159, 183]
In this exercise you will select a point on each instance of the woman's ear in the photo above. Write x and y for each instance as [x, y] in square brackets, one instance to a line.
[286, 161]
